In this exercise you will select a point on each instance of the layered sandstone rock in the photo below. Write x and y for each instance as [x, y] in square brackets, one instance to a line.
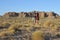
[10, 14]
[21, 14]
[50, 14]
[6, 15]
[31, 14]
[41, 14]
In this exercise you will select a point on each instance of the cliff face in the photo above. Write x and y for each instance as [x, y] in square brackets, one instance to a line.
[31, 14]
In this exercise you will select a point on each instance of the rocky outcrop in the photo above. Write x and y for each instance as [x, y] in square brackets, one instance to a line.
[21, 14]
[51, 14]
[10, 14]
[42, 14]
[48, 15]
[31, 14]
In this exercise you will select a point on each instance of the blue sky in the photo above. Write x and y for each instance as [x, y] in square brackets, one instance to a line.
[29, 5]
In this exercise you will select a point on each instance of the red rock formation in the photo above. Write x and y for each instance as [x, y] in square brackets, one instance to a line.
[10, 14]
[31, 14]
[21, 14]
[41, 14]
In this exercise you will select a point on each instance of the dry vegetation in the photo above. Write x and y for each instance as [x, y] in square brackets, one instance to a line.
[37, 35]
[15, 28]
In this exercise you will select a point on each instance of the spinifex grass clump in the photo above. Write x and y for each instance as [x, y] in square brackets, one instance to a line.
[37, 35]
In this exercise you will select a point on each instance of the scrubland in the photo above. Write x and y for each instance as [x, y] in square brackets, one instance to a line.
[14, 28]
